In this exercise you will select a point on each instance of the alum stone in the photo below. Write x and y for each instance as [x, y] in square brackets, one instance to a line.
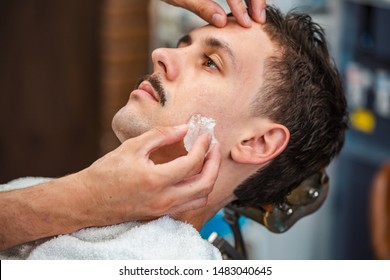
[197, 126]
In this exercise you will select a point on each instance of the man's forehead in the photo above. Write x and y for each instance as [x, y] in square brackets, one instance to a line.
[230, 29]
[233, 34]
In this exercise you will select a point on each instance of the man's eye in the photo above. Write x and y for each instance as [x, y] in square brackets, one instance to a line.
[210, 63]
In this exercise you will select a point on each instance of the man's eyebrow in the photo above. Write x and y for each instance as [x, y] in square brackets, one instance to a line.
[186, 39]
[210, 42]
[217, 43]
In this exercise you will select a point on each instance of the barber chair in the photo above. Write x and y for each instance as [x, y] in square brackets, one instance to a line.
[302, 201]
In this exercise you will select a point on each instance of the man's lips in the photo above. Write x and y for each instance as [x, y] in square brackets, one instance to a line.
[146, 87]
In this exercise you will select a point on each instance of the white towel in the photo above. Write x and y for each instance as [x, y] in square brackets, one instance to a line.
[163, 238]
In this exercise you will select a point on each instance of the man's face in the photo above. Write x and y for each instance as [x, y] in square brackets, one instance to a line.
[214, 72]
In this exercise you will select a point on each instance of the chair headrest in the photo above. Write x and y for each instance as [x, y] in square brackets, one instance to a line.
[303, 200]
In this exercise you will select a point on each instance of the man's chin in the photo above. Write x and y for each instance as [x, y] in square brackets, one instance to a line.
[126, 126]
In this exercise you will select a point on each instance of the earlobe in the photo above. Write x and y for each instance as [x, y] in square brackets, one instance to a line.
[262, 146]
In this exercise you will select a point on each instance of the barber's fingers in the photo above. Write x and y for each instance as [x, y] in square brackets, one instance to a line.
[186, 166]
[193, 192]
[209, 10]
[257, 10]
[240, 13]
[215, 14]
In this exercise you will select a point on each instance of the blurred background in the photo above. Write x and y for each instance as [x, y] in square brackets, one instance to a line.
[67, 66]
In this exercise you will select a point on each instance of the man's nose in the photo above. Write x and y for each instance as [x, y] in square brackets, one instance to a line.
[166, 61]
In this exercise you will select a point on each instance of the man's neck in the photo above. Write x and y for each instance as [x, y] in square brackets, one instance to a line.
[230, 176]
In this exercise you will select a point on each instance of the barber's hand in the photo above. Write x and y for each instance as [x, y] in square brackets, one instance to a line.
[214, 14]
[127, 185]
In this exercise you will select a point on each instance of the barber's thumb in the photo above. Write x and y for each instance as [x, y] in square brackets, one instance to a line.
[162, 136]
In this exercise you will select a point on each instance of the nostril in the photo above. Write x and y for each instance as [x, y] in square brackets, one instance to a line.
[161, 64]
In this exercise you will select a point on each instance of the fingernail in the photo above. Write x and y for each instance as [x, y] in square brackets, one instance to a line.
[247, 19]
[263, 16]
[217, 20]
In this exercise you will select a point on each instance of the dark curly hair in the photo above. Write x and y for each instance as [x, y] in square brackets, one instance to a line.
[302, 91]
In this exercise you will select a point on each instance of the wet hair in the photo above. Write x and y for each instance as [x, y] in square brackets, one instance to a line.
[302, 90]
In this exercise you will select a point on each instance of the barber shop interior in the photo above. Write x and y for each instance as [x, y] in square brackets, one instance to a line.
[67, 67]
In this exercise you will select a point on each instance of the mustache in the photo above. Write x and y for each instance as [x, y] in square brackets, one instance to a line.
[157, 85]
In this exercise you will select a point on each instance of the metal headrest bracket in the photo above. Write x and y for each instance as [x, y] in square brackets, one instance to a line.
[303, 200]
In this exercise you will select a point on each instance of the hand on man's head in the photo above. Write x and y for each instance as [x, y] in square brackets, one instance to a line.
[213, 13]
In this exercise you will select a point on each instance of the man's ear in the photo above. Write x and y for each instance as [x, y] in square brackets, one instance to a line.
[262, 144]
